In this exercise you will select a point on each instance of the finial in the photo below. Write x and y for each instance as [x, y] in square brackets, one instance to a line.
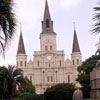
[20, 27]
[74, 25]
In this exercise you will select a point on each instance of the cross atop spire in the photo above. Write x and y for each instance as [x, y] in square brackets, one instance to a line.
[47, 23]
[21, 49]
[76, 47]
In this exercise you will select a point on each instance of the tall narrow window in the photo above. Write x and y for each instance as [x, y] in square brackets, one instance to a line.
[47, 23]
[25, 63]
[51, 79]
[56, 76]
[49, 64]
[60, 63]
[73, 62]
[43, 77]
[68, 78]
[38, 63]
[50, 47]
[46, 48]
[31, 78]
[48, 78]
[21, 63]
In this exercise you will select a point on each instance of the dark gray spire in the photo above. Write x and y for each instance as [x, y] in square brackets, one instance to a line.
[46, 12]
[21, 49]
[47, 23]
[76, 47]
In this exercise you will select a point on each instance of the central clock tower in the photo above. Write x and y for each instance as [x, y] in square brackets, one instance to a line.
[48, 36]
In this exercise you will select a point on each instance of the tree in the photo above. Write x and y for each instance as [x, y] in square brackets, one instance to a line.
[60, 92]
[28, 87]
[84, 74]
[11, 77]
[7, 23]
[96, 18]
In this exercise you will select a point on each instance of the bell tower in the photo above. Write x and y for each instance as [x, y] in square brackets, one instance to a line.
[48, 36]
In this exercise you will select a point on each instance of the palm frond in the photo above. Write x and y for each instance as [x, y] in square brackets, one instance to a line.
[7, 21]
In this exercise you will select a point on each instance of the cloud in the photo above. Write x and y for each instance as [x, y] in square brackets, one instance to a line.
[68, 3]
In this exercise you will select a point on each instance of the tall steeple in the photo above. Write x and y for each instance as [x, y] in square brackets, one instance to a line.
[47, 23]
[47, 13]
[21, 49]
[76, 47]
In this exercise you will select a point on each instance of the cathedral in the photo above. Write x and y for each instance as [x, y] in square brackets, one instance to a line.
[49, 66]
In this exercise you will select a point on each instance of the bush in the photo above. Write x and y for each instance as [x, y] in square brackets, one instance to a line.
[60, 92]
[27, 96]
[38, 97]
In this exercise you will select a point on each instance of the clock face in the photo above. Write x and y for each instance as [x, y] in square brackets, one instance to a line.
[49, 57]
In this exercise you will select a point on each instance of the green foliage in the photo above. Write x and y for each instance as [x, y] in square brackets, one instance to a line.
[60, 92]
[84, 74]
[38, 97]
[96, 18]
[10, 77]
[28, 87]
[7, 22]
[27, 96]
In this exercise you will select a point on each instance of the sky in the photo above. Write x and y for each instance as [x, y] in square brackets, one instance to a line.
[63, 13]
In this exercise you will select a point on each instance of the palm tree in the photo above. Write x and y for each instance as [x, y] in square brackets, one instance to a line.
[96, 18]
[7, 23]
[12, 77]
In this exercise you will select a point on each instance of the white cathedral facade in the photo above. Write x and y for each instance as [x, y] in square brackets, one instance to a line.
[49, 66]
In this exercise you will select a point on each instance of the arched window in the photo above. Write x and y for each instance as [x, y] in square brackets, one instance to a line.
[68, 78]
[43, 77]
[50, 47]
[48, 78]
[47, 23]
[73, 62]
[25, 63]
[21, 63]
[38, 63]
[51, 79]
[56, 76]
[60, 63]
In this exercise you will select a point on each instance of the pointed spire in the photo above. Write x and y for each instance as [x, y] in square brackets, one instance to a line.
[47, 13]
[21, 49]
[76, 47]
[47, 23]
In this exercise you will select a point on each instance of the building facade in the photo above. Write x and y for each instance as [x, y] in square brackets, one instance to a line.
[95, 82]
[49, 66]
